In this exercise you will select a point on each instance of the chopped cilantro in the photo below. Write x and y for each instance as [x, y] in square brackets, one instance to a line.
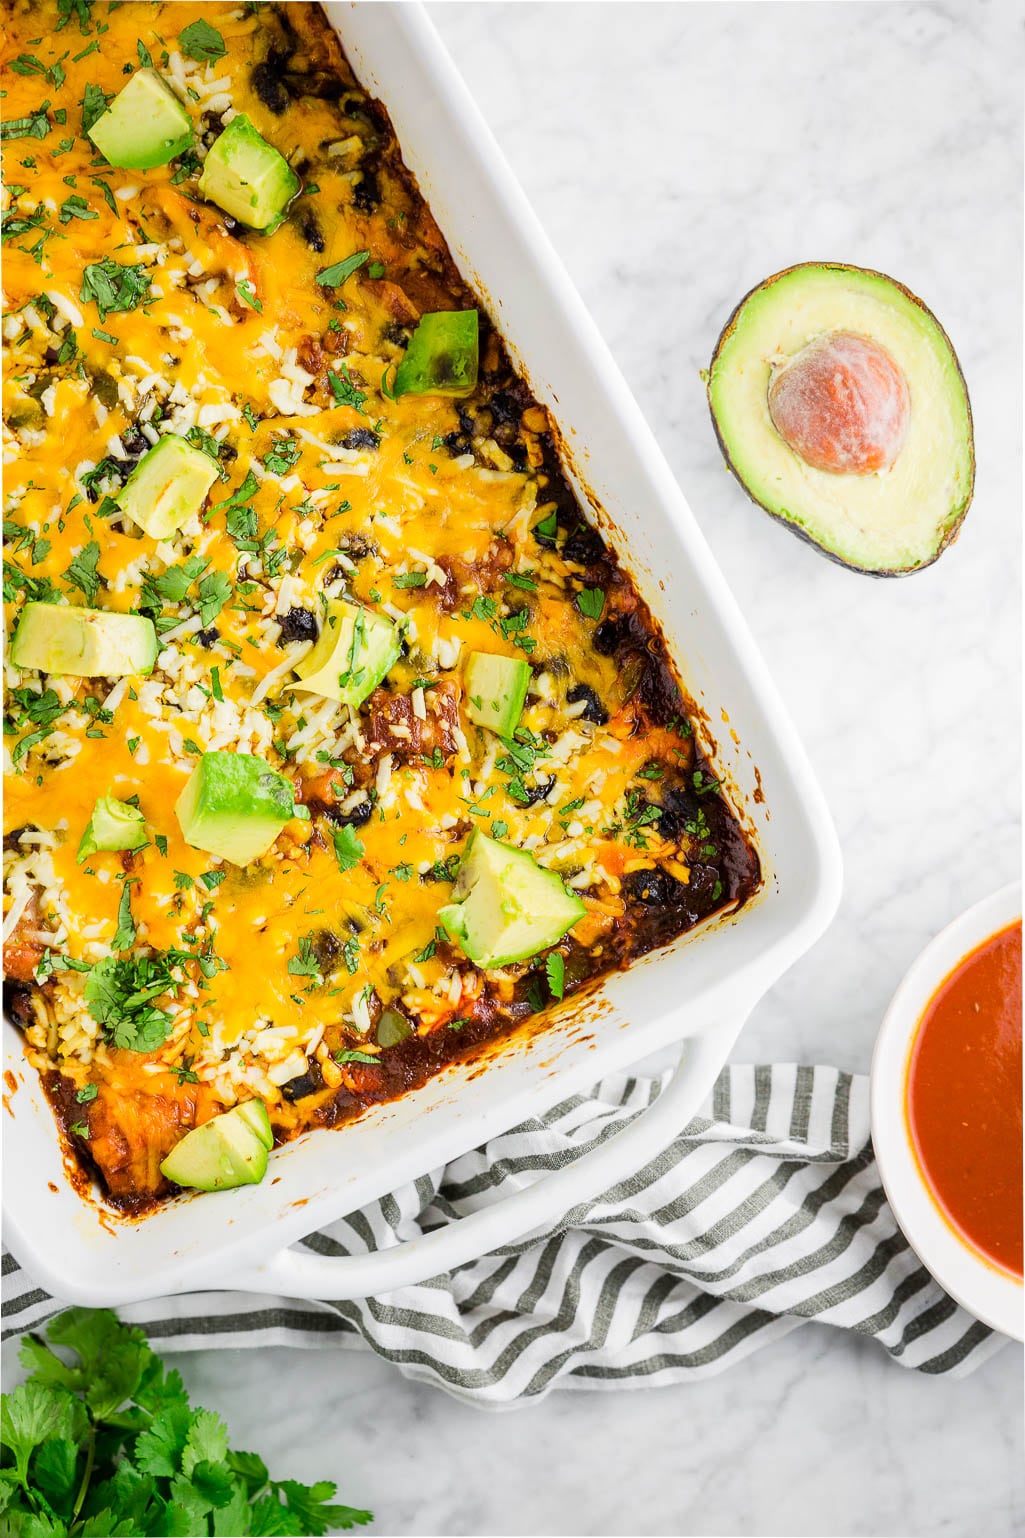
[590, 602]
[82, 572]
[335, 275]
[343, 389]
[349, 849]
[555, 968]
[202, 42]
[113, 287]
[94, 104]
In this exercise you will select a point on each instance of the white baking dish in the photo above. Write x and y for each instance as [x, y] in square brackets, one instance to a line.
[698, 992]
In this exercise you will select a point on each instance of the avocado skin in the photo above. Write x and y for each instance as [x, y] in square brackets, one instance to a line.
[727, 332]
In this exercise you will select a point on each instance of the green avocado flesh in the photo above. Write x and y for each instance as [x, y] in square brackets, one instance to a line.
[86, 643]
[442, 356]
[167, 486]
[229, 1150]
[234, 805]
[505, 906]
[354, 651]
[113, 825]
[144, 126]
[495, 688]
[889, 522]
[247, 177]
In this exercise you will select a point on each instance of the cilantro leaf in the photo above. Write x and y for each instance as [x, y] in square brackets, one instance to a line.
[94, 104]
[214, 592]
[245, 291]
[113, 287]
[590, 602]
[82, 572]
[172, 585]
[119, 995]
[343, 389]
[54, 1472]
[349, 848]
[107, 1446]
[555, 967]
[124, 935]
[36, 126]
[335, 275]
[207, 1440]
[311, 1504]
[160, 1447]
[306, 963]
[202, 42]
[282, 455]
[33, 1414]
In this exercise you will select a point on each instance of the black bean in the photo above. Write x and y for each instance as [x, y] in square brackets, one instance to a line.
[305, 1084]
[458, 444]
[701, 887]
[269, 85]
[584, 546]
[208, 637]
[594, 710]
[356, 817]
[537, 793]
[310, 230]
[607, 637]
[367, 193]
[654, 888]
[504, 407]
[135, 442]
[298, 625]
[679, 807]
[18, 1004]
[361, 438]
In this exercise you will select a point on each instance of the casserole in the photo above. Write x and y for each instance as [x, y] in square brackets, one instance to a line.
[719, 975]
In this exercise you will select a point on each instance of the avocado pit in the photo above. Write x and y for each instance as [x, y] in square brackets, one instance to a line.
[842, 404]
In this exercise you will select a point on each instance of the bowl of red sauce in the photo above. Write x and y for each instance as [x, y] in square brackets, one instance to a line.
[947, 1109]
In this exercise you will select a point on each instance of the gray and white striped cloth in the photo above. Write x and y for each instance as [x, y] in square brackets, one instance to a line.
[765, 1213]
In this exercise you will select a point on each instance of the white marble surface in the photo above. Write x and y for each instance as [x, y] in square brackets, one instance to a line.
[677, 154]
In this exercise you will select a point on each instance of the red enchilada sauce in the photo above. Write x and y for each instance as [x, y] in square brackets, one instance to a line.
[964, 1098]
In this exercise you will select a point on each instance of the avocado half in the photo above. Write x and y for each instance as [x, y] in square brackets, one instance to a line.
[887, 522]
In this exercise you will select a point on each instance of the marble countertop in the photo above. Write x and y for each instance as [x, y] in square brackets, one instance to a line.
[677, 154]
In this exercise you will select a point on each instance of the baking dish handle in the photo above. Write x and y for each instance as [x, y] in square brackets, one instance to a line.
[299, 1273]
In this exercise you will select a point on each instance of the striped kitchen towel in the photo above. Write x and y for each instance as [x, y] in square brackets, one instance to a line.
[765, 1213]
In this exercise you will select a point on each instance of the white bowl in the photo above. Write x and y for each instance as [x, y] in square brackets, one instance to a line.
[987, 1291]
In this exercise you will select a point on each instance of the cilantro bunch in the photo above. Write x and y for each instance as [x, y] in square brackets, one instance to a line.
[109, 1445]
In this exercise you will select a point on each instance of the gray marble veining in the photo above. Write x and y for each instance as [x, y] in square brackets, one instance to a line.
[677, 154]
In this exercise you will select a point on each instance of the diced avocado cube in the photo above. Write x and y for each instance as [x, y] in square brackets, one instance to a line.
[88, 643]
[144, 126]
[354, 651]
[113, 825]
[228, 1150]
[167, 486]
[441, 358]
[248, 177]
[234, 805]
[495, 689]
[505, 907]
[255, 1113]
